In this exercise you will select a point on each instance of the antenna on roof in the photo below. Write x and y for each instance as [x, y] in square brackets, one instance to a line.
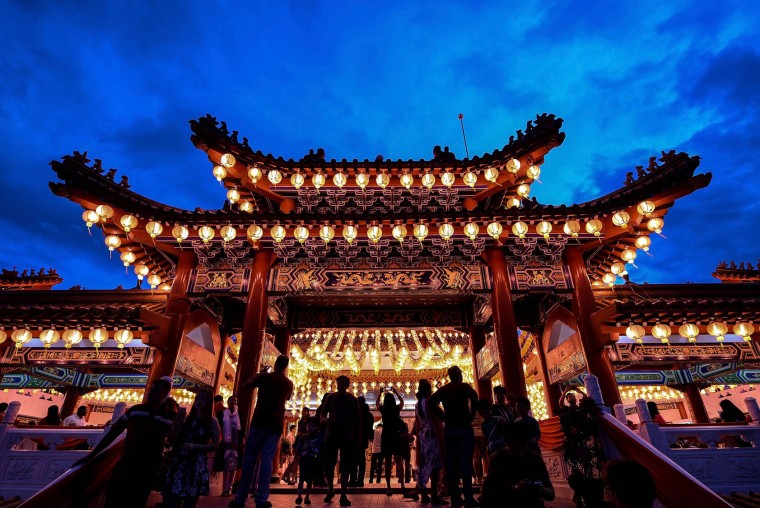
[464, 136]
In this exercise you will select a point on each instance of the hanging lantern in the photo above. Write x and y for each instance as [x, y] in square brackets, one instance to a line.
[470, 178]
[206, 233]
[662, 332]
[383, 179]
[105, 212]
[420, 232]
[255, 174]
[491, 174]
[233, 195]
[744, 330]
[399, 232]
[228, 160]
[520, 229]
[446, 231]
[689, 331]
[128, 257]
[512, 203]
[49, 337]
[274, 176]
[98, 336]
[513, 166]
[495, 229]
[219, 173]
[180, 233]
[594, 226]
[628, 255]
[326, 233]
[340, 179]
[643, 243]
[544, 228]
[318, 180]
[154, 228]
[655, 225]
[618, 268]
[534, 171]
[113, 242]
[141, 271]
[154, 280]
[254, 233]
[635, 332]
[123, 337]
[90, 217]
[3, 335]
[246, 206]
[228, 233]
[609, 279]
[718, 329]
[646, 208]
[71, 337]
[620, 219]
[407, 180]
[471, 229]
[128, 222]
[374, 233]
[21, 337]
[572, 227]
[350, 233]
[428, 180]
[448, 179]
[362, 179]
[278, 233]
[301, 233]
[523, 190]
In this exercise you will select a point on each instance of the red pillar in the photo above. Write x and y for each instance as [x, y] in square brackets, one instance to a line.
[584, 304]
[221, 363]
[551, 392]
[177, 309]
[505, 325]
[252, 335]
[477, 341]
[282, 340]
[70, 401]
[695, 402]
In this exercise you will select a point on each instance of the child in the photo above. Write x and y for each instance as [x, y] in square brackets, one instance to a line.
[307, 453]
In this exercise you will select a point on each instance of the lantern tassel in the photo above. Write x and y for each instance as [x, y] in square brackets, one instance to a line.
[665, 237]
[89, 230]
[649, 253]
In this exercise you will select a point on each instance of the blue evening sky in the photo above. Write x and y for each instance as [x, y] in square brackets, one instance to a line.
[122, 79]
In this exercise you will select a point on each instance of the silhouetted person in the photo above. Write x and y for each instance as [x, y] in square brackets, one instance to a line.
[655, 413]
[365, 437]
[77, 419]
[52, 417]
[731, 413]
[341, 414]
[630, 484]
[393, 429]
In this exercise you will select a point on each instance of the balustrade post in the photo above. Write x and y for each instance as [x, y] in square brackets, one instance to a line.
[649, 430]
[754, 410]
[594, 391]
[620, 414]
[10, 417]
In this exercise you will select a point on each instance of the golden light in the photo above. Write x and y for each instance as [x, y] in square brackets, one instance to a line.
[326, 233]
[154, 280]
[383, 179]
[233, 195]
[71, 337]
[420, 231]
[534, 171]
[572, 227]
[399, 232]
[180, 233]
[128, 222]
[407, 180]
[594, 226]
[718, 329]
[141, 271]
[512, 203]
[621, 218]
[520, 229]
[113, 242]
[362, 179]
[495, 229]
[3, 336]
[105, 212]
[350, 233]
[689, 331]
[661, 331]
[448, 179]
[228, 233]
[206, 233]
[643, 243]
[340, 179]
[254, 233]
[274, 176]
[246, 206]
[255, 174]
[470, 179]
[523, 190]
[491, 174]
[446, 231]
[428, 180]
[513, 165]
[296, 180]
[655, 224]
[374, 233]
[646, 208]
[744, 330]
[98, 336]
[90, 217]
[635, 332]
[318, 180]
[301, 233]
[618, 268]
[471, 229]
[123, 337]
[154, 228]
[543, 228]
[128, 257]
[628, 255]
[228, 160]
[219, 173]
[49, 337]
[609, 279]
[21, 337]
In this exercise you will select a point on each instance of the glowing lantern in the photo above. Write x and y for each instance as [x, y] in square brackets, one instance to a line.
[572, 227]
[646, 208]
[594, 226]
[533, 171]
[655, 224]
[609, 279]
[374, 233]
[128, 222]
[340, 179]
[544, 228]
[105, 212]
[523, 190]
[301, 233]
[407, 180]
[383, 180]
[520, 229]
[635, 332]
[254, 233]
[362, 179]
[620, 219]
[470, 178]
[71, 337]
[228, 233]
[113, 242]
[141, 271]
[491, 174]
[246, 206]
[49, 337]
[618, 268]
[326, 233]
[643, 243]
[446, 231]
[219, 173]
[420, 232]
[662, 332]
[318, 180]
[90, 217]
[744, 330]
[255, 174]
[399, 232]
[3, 336]
[233, 195]
[180, 233]
[689, 331]
[471, 229]
[206, 233]
[495, 229]
[513, 165]
[628, 255]
[274, 176]
[128, 257]
[228, 160]
[718, 329]
[278, 233]
[154, 228]
[21, 337]
[350, 233]
[154, 280]
[428, 180]
[447, 179]
[123, 337]
[512, 203]
[98, 336]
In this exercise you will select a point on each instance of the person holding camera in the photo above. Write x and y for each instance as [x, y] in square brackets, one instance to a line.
[393, 429]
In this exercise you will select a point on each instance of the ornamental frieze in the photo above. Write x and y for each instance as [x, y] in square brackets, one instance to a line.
[626, 353]
[304, 318]
[195, 372]
[78, 356]
[526, 278]
[225, 280]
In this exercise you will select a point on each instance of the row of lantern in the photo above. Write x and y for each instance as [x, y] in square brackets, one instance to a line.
[690, 331]
[362, 178]
[71, 336]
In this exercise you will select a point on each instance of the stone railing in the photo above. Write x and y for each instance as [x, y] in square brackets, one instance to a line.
[725, 457]
[32, 457]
